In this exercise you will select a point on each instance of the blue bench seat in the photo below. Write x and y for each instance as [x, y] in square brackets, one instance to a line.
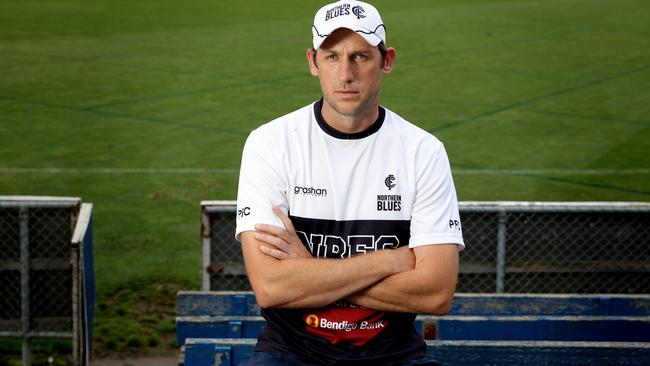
[515, 328]
[481, 329]
[230, 352]
[213, 303]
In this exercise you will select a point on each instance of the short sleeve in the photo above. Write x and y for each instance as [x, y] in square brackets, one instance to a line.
[261, 184]
[435, 218]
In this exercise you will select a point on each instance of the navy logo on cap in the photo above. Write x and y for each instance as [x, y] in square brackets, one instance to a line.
[359, 12]
[338, 11]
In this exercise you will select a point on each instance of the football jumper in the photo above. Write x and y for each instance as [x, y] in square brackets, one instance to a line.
[347, 194]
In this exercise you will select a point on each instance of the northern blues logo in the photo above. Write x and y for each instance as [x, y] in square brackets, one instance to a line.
[338, 11]
[390, 182]
[389, 202]
[359, 12]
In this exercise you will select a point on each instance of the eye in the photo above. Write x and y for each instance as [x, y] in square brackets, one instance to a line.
[331, 57]
[360, 57]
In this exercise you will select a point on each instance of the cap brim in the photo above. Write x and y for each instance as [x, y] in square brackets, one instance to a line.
[370, 36]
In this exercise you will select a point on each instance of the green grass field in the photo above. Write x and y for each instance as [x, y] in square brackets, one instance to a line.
[142, 108]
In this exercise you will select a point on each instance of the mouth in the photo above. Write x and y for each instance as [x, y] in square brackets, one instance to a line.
[346, 93]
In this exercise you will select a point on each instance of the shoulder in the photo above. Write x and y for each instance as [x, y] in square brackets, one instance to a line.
[276, 135]
[413, 136]
[281, 126]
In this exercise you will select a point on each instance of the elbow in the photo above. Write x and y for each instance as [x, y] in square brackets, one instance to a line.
[270, 297]
[264, 300]
[442, 307]
[438, 305]
[273, 296]
[267, 297]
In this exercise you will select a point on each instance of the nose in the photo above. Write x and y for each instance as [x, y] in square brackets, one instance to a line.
[346, 70]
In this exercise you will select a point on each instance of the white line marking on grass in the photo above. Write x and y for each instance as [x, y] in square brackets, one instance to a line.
[551, 171]
[120, 170]
[464, 171]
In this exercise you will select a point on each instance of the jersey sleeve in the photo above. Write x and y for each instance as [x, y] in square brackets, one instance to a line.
[435, 218]
[261, 184]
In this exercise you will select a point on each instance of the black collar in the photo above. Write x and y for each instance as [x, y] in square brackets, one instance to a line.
[347, 136]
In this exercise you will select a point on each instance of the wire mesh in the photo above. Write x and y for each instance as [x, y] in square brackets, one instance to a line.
[47, 244]
[46, 272]
[579, 252]
[478, 270]
[9, 270]
[556, 248]
[50, 232]
[226, 269]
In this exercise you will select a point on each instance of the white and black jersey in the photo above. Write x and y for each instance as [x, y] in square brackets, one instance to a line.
[347, 194]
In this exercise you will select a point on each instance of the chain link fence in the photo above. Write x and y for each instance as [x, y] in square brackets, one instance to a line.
[40, 269]
[511, 247]
[9, 269]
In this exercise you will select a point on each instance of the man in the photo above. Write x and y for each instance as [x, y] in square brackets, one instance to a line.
[347, 213]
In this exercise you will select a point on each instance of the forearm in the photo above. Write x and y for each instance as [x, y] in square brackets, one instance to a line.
[310, 282]
[429, 288]
[401, 293]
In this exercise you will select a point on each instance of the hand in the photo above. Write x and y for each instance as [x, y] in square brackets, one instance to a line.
[280, 243]
[404, 258]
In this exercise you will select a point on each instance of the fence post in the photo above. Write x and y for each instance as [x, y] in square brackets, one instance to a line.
[77, 322]
[206, 240]
[501, 251]
[23, 217]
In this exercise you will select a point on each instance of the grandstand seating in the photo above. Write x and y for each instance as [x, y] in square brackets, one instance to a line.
[535, 329]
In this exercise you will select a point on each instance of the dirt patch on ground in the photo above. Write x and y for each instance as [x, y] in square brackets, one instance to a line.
[136, 324]
[152, 361]
[168, 357]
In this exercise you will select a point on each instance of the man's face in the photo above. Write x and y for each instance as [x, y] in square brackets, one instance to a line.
[350, 72]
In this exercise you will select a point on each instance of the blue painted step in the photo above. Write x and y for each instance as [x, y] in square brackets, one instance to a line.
[230, 352]
[218, 327]
[515, 328]
[545, 328]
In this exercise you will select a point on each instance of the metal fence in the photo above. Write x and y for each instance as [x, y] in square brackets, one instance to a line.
[511, 247]
[46, 271]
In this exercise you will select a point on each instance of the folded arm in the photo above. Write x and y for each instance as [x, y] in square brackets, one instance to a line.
[283, 273]
[428, 288]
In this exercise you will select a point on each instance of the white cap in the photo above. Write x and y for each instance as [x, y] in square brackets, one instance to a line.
[357, 16]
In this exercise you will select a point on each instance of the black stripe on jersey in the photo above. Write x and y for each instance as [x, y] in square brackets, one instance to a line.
[343, 239]
[347, 136]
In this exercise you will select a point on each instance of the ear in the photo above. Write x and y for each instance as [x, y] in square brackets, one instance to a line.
[311, 57]
[389, 60]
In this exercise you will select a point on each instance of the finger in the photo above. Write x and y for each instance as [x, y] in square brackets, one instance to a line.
[272, 240]
[271, 229]
[277, 254]
[284, 218]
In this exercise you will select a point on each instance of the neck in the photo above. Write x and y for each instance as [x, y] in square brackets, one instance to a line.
[350, 123]
[348, 134]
